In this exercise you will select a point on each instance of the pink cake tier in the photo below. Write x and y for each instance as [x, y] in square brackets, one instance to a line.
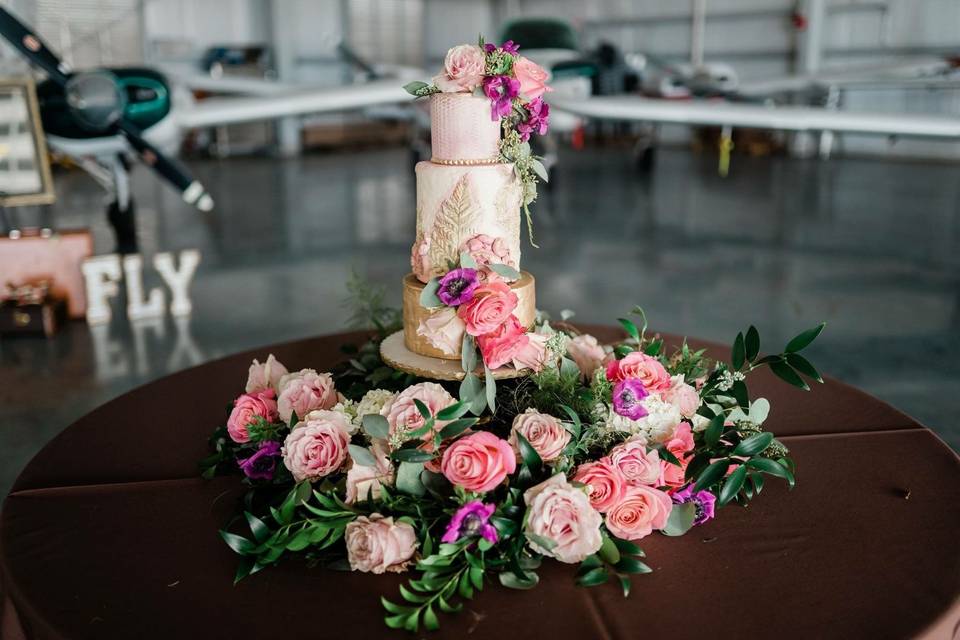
[461, 129]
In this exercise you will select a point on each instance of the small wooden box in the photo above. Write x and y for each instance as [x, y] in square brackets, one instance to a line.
[35, 319]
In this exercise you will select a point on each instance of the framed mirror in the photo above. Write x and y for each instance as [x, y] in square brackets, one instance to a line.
[24, 164]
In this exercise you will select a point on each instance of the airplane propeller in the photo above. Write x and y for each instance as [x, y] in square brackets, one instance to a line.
[96, 101]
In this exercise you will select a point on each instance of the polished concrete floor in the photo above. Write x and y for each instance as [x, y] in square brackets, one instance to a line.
[872, 247]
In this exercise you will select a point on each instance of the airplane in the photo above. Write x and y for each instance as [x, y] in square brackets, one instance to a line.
[97, 117]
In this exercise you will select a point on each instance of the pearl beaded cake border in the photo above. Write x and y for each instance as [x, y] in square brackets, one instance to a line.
[466, 162]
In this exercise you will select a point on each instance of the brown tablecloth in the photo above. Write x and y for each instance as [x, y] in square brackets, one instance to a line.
[109, 533]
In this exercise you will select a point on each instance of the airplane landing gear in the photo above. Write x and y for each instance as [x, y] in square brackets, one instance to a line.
[123, 221]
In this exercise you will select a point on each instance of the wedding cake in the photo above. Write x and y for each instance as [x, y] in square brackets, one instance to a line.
[466, 289]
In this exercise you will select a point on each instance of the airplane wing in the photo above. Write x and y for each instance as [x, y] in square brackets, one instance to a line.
[718, 113]
[927, 69]
[220, 111]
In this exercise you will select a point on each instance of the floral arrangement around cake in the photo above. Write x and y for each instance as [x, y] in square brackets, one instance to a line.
[367, 468]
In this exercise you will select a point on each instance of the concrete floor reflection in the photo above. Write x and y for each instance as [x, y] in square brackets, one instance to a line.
[869, 246]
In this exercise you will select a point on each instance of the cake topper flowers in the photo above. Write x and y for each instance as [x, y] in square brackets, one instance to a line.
[515, 86]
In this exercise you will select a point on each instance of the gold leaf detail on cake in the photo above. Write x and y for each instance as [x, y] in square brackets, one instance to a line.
[456, 215]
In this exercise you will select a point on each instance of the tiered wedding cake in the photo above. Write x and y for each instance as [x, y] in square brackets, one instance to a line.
[468, 201]
[466, 291]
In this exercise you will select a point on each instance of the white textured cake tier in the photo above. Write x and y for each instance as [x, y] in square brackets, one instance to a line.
[465, 208]
[461, 128]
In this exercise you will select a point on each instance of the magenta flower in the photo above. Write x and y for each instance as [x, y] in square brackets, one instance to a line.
[472, 519]
[627, 398]
[457, 286]
[704, 500]
[261, 465]
[501, 90]
[538, 119]
[508, 47]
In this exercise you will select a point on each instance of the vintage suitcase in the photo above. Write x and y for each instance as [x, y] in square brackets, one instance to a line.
[30, 310]
[40, 254]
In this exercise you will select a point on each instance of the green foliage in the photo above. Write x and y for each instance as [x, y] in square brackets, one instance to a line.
[365, 301]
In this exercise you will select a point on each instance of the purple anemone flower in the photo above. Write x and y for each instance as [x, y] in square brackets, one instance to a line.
[472, 519]
[508, 47]
[538, 119]
[627, 398]
[261, 465]
[704, 500]
[501, 90]
[457, 286]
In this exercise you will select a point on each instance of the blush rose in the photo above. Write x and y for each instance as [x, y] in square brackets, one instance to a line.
[504, 344]
[365, 482]
[491, 306]
[478, 462]
[559, 512]
[318, 447]
[645, 368]
[680, 445]
[544, 433]
[265, 376]
[532, 77]
[683, 396]
[463, 69]
[305, 391]
[402, 414]
[641, 511]
[638, 466]
[586, 352]
[605, 483]
[246, 409]
[376, 544]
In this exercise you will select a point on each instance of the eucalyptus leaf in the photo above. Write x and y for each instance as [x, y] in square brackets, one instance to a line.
[510, 580]
[609, 551]
[540, 170]
[428, 297]
[490, 388]
[504, 270]
[376, 426]
[471, 392]
[468, 353]
[467, 261]
[362, 456]
[413, 87]
[408, 478]
[759, 410]
[411, 455]
[680, 519]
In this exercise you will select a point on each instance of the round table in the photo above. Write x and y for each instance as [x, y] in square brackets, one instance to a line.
[110, 533]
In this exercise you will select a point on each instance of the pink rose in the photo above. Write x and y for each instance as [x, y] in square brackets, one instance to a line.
[544, 433]
[492, 304]
[402, 413]
[680, 445]
[304, 391]
[503, 344]
[639, 513]
[443, 330]
[558, 511]
[420, 259]
[317, 447]
[683, 396]
[364, 482]
[266, 375]
[486, 250]
[638, 466]
[377, 544]
[246, 409]
[532, 77]
[534, 354]
[643, 367]
[586, 352]
[605, 483]
[478, 462]
[463, 69]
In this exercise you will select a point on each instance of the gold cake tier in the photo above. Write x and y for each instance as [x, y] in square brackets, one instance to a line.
[414, 313]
